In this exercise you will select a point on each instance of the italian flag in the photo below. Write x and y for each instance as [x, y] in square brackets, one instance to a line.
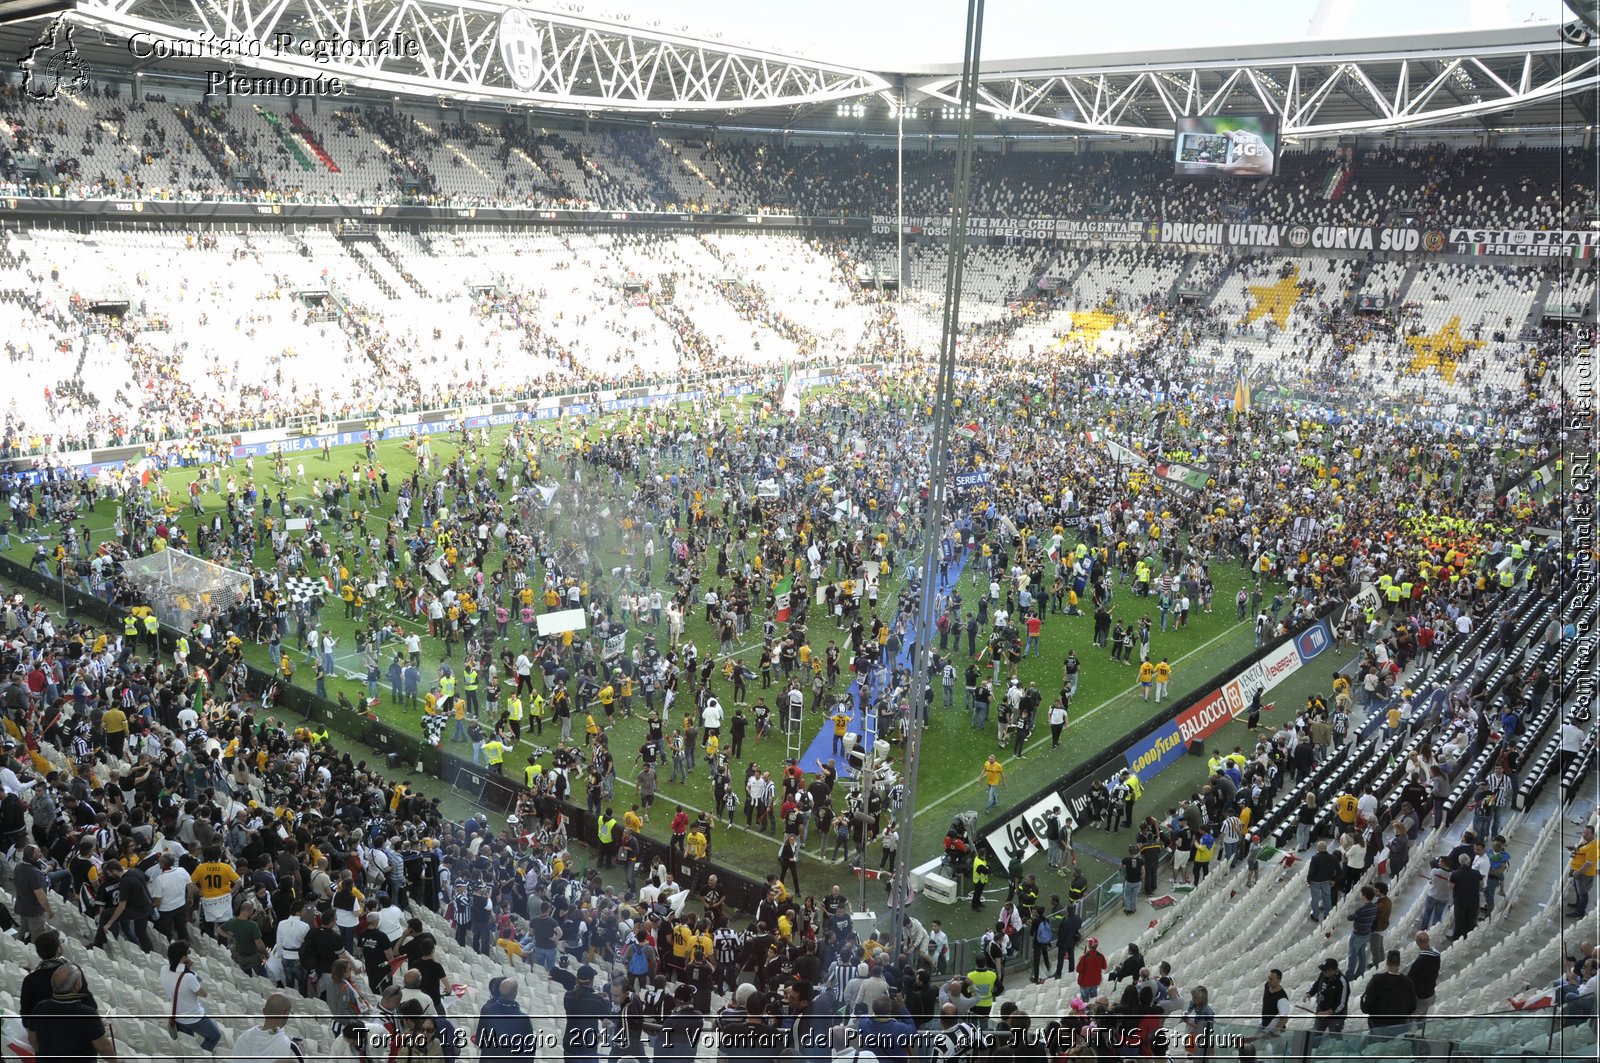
[781, 595]
[970, 430]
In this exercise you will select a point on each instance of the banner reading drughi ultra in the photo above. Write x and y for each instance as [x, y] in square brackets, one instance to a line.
[1287, 236]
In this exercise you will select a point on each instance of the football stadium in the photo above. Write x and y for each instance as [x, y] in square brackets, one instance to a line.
[1091, 511]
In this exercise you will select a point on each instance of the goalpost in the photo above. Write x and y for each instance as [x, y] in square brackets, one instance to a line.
[182, 588]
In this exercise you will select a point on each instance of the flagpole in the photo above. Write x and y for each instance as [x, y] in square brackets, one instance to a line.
[933, 527]
[900, 217]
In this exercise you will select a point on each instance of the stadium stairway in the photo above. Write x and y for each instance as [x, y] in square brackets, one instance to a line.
[1547, 284]
[1183, 273]
[392, 257]
[1219, 282]
[369, 268]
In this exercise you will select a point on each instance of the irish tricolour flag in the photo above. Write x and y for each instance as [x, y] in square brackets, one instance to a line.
[781, 596]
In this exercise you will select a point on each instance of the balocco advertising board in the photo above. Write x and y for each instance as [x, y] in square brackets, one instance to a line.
[1203, 719]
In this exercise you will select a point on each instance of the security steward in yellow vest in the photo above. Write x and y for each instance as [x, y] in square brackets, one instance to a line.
[605, 829]
[152, 629]
[537, 708]
[983, 979]
[495, 751]
[530, 774]
[130, 629]
[469, 683]
[514, 714]
[980, 879]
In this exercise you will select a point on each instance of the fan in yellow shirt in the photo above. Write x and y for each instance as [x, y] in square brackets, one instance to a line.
[216, 880]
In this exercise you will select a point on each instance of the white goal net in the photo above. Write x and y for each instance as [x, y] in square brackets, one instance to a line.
[181, 588]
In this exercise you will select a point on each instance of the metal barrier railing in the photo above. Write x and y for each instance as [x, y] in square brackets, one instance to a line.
[1102, 897]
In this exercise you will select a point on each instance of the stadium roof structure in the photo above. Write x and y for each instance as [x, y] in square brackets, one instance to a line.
[560, 59]
[1314, 88]
[465, 51]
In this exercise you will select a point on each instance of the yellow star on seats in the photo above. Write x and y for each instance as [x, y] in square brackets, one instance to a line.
[1442, 350]
[1277, 299]
[1091, 324]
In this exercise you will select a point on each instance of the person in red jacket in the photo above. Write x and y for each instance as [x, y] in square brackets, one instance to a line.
[680, 831]
[1091, 969]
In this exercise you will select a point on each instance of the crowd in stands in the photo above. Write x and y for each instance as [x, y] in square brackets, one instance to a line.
[105, 356]
[108, 144]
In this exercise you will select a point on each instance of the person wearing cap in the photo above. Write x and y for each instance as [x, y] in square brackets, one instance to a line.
[585, 1010]
[859, 978]
[1331, 992]
[680, 1028]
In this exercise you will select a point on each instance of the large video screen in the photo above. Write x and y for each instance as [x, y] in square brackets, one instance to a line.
[1242, 145]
